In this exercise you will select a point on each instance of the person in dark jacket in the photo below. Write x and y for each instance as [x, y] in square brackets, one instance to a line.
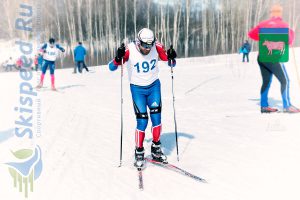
[245, 49]
[79, 55]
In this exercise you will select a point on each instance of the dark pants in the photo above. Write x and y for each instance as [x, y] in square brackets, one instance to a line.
[279, 71]
[80, 65]
[51, 65]
[245, 55]
[10, 67]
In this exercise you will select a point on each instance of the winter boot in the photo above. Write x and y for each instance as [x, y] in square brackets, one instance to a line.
[40, 85]
[291, 109]
[268, 110]
[139, 158]
[157, 153]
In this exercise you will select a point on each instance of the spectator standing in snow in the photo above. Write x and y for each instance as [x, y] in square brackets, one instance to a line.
[79, 55]
[10, 64]
[277, 69]
[245, 49]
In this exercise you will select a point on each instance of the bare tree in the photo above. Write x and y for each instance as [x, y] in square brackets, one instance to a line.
[186, 41]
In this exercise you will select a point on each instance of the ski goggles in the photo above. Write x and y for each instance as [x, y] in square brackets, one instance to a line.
[146, 45]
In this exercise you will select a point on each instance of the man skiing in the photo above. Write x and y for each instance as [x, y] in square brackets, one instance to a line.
[142, 56]
[50, 53]
[276, 69]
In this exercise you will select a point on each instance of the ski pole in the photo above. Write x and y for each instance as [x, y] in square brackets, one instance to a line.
[175, 123]
[121, 142]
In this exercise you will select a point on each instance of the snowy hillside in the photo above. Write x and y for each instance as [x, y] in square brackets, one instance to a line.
[223, 138]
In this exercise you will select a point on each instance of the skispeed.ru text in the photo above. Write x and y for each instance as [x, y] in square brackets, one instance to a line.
[23, 124]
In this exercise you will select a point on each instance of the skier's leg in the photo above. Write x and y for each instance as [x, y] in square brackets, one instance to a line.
[52, 69]
[154, 104]
[267, 80]
[44, 69]
[140, 109]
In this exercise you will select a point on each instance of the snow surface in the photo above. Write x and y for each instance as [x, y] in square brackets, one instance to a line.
[223, 138]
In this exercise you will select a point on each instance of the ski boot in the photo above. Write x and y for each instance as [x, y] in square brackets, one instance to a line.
[39, 86]
[139, 162]
[268, 110]
[157, 153]
[291, 109]
[53, 88]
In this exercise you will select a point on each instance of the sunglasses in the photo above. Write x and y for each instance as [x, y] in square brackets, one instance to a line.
[147, 46]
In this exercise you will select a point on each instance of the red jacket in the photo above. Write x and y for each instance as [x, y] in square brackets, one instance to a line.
[274, 22]
[19, 62]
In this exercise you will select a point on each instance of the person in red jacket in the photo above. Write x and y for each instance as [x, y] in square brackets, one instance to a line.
[19, 63]
[276, 69]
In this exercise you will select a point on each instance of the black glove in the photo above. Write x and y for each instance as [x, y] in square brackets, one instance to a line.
[120, 53]
[171, 53]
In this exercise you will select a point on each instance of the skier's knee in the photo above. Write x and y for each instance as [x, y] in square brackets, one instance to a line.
[142, 124]
[141, 115]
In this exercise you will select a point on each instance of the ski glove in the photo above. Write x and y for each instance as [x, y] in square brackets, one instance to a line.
[171, 53]
[171, 56]
[120, 53]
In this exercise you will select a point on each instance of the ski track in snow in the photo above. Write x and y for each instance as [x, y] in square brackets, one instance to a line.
[223, 138]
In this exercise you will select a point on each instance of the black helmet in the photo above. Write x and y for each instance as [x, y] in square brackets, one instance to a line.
[51, 40]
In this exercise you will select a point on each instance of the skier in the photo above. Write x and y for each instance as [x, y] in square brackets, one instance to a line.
[79, 54]
[245, 49]
[276, 69]
[50, 53]
[142, 57]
